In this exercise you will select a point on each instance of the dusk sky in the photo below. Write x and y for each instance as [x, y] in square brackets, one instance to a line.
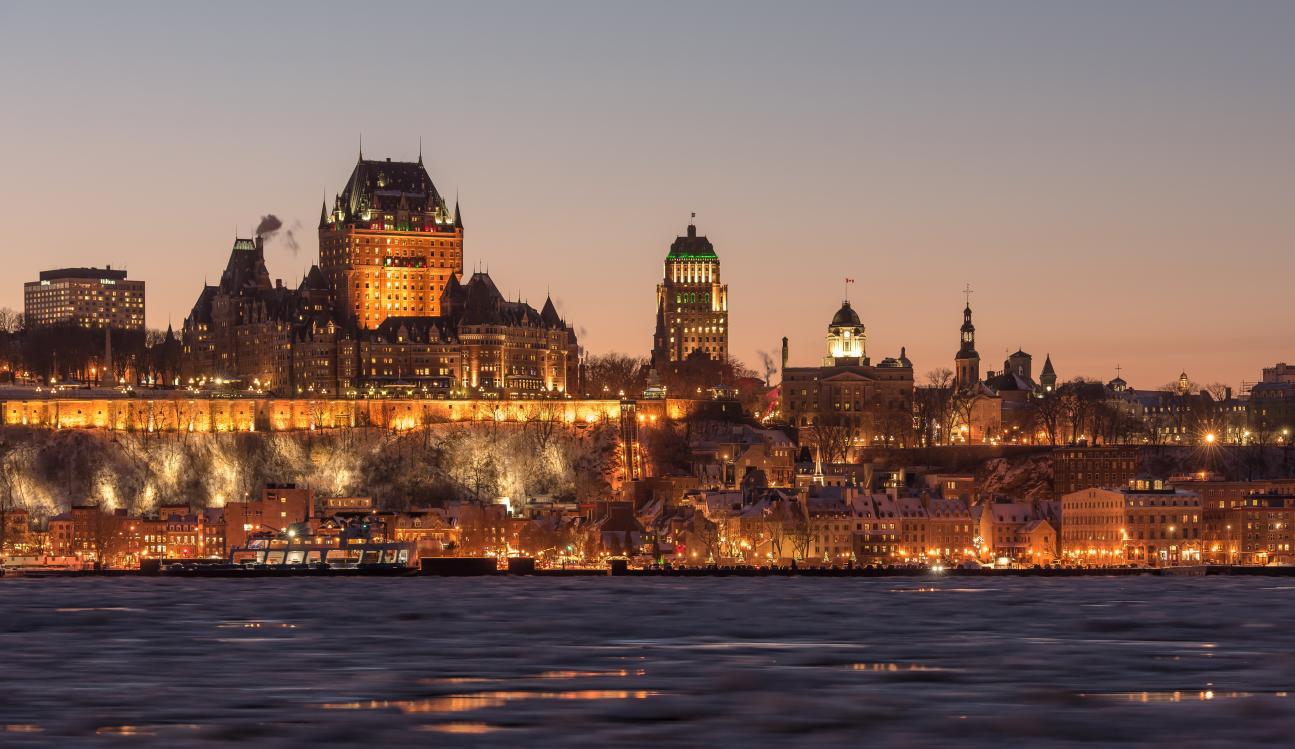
[1115, 180]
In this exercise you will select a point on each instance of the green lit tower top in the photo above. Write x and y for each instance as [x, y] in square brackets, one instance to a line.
[692, 303]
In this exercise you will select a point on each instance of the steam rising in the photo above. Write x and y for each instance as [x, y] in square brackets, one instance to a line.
[271, 225]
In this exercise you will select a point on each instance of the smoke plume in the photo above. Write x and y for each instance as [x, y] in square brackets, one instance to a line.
[270, 226]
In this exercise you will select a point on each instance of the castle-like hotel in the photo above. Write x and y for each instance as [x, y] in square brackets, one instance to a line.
[385, 308]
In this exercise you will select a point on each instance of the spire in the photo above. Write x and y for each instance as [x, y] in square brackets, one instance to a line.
[420, 150]
[1047, 365]
[323, 213]
[549, 315]
[458, 216]
[361, 149]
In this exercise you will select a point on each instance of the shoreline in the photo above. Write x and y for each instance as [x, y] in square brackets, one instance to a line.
[470, 567]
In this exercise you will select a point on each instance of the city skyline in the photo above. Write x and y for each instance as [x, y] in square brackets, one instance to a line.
[1138, 230]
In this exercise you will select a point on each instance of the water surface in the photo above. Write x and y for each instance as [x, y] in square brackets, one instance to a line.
[647, 662]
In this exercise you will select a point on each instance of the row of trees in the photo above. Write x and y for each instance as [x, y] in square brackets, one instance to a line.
[1089, 410]
[70, 352]
[612, 374]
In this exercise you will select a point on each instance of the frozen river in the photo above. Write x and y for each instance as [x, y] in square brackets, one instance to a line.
[620, 662]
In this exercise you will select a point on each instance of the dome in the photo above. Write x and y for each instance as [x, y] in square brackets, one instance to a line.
[846, 317]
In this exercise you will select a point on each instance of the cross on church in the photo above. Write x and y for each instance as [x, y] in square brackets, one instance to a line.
[1117, 370]
[966, 293]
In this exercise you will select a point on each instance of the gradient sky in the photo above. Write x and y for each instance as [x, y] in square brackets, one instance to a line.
[1115, 180]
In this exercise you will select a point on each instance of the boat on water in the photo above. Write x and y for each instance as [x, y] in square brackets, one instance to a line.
[38, 563]
[366, 554]
[337, 546]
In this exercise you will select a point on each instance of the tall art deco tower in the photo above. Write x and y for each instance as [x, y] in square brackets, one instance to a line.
[692, 304]
[390, 243]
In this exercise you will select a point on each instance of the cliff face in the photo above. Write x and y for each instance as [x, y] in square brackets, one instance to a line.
[47, 470]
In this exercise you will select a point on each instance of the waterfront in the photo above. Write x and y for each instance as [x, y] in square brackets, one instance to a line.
[635, 662]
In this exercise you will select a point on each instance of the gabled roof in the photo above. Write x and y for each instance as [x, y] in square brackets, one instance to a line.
[314, 280]
[1010, 381]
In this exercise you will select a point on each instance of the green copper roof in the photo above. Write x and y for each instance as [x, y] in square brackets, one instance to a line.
[691, 247]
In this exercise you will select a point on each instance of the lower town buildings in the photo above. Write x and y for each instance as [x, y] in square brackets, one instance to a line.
[1076, 467]
[1015, 531]
[1147, 523]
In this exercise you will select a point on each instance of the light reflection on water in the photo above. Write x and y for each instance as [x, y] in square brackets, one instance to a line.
[635, 662]
[1178, 696]
[459, 727]
[463, 703]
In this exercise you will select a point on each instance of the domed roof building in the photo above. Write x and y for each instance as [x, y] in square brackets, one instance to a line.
[846, 338]
[872, 404]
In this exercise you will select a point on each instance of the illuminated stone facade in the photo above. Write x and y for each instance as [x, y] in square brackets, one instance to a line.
[384, 313]
[692, 304]
[868, 404]
[196, 414]
[389, 246]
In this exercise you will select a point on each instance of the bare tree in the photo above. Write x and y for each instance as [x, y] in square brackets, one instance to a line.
[800, 529]
[705, 533]
[10, 321]
[608, 375]
[545, 421]
[964, 410]
[104, 534]
[1218, 391]
[1045, 412]
[833, 434]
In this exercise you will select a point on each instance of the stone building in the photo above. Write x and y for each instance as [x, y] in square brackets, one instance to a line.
[692, 304]
[1076, 468]
[1094, 526]
[1016, 531]
[385, 311]
[390, 245]
[869, 404]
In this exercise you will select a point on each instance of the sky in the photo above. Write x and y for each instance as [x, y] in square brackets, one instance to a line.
[1114, 180]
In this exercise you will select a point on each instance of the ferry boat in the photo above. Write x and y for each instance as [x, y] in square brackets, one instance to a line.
[334, 546]
[33, 564]
[311, 553]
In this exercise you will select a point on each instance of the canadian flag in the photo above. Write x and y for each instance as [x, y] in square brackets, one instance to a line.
[849, 280]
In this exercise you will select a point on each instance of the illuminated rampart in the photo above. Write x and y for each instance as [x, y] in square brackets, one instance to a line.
[269, 414]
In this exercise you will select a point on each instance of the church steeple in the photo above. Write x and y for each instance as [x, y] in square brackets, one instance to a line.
[967, 361]
[1048, 378]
